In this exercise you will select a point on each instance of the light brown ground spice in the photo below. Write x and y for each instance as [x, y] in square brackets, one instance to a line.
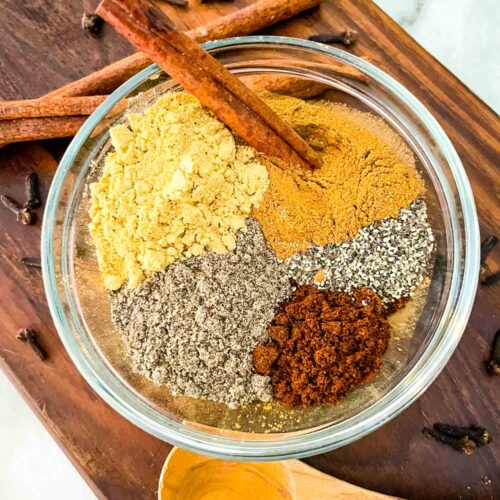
[323, 344]
[368, 174]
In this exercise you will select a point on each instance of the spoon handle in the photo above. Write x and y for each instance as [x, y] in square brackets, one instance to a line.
[311, 483]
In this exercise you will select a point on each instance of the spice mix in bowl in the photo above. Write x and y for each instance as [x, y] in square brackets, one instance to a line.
[246, 292]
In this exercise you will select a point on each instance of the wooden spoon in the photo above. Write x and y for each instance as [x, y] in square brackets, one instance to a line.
[187, 475]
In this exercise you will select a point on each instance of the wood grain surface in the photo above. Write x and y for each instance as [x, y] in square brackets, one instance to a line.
[41, 47]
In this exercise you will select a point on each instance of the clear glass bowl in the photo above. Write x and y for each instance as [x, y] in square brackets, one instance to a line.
[81, 313]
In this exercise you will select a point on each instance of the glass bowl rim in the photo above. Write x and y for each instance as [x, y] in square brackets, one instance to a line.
[328, 437]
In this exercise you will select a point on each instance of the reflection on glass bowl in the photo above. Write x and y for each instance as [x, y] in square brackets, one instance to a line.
[425, 333]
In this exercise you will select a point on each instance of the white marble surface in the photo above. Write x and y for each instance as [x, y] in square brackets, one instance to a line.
[462, 34]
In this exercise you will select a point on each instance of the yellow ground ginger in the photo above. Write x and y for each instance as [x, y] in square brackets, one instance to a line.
[368, 173]
[176, 185]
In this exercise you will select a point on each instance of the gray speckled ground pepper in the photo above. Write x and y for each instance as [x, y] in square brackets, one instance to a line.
[391, 257]
[194, 326]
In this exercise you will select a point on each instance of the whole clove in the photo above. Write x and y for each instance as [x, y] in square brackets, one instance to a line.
[33, 200]
[31, 262]
[23, 215]
[463, 439]
[29, 336]
[479, 435]
[487, 246]
[491, 279]
[494, 361]
[345, 37]
[92, 23]
[32, 192]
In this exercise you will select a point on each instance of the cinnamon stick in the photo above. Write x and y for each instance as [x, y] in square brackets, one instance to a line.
[259, 15]
[65, 106]
[29, 129]
[287, 85]
[86, 105]
[150, 30]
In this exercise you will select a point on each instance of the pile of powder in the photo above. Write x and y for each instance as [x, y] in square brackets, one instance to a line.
[175, 186]
[368, 174]
[391, 257]
[323, 344]
[194, 326]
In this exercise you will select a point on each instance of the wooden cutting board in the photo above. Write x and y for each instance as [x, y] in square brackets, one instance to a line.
[42, 47]
[186, 472]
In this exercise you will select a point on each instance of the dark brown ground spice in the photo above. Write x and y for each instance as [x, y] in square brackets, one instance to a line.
[395, 305]
[323, 344]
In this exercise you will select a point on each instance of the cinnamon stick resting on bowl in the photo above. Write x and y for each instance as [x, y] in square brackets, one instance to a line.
[151, 31]
[258, 15]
